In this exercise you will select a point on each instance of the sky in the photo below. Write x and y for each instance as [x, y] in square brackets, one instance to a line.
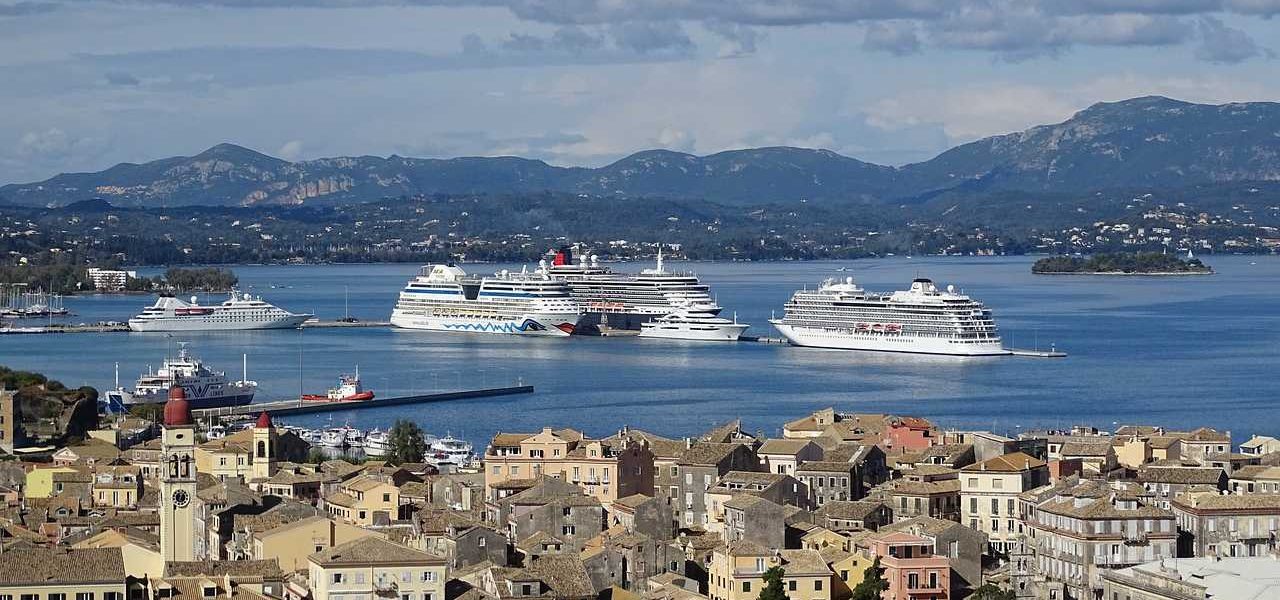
[86, 84]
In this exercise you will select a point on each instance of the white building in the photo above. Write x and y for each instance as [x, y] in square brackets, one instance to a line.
[110, 280]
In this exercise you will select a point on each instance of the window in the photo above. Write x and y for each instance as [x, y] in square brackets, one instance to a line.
[675, 471]
[428, 576]
[973, 505]
[406, 576]
[995, 525]
[791, 585]
[913, 580]
[84, 595]
[973, 482]
[997, 483]
[995, 506]
[567, 530]
[746, 586]
[57, 596]
[386, 497]
[337, 577]
[480, 542]
[817, 585]
[30, 596]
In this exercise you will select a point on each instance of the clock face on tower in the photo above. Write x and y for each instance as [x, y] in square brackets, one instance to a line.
[180, 498]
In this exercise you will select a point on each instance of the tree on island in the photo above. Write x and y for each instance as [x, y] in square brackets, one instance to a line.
[407, 444]
[773, 585]
[1120, 262]
[873, 583]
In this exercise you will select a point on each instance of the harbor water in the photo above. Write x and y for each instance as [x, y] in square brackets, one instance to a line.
[1177, 351]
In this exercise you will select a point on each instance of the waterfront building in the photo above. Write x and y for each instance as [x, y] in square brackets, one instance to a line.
[989, 492]
[110, 280]
[1230, 525]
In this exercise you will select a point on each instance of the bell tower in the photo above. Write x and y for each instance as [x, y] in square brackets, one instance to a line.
[264, 449]
[178, 480]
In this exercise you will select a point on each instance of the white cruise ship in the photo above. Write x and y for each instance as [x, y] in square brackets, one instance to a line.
[205, 387]
[444, 298]
[922, 319]
[624, 301]
[237, 312]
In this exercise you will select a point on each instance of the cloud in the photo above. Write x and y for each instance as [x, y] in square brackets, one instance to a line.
[121, 78]
[1222, 44]
[22, 9]
[899, 38]
[739, 40]
[649, 38]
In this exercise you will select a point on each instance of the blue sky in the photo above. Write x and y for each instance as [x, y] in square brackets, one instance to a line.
[86, 84]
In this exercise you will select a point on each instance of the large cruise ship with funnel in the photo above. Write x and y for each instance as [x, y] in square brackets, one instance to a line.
[237, 312]
[445, 298]
[612, 300]
[922, 319]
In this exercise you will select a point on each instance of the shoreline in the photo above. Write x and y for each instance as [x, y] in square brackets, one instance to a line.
[1124, 274]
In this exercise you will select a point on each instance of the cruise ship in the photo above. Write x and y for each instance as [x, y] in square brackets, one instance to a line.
[612, 300]
[923, 319]
[445, 298]
[205, 387]
[237, 312]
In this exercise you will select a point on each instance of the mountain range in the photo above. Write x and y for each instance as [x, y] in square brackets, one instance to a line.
[1145, 143]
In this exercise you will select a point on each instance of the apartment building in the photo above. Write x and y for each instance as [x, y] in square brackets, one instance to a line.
[1231, 525]
[989, 495]
[606, 469]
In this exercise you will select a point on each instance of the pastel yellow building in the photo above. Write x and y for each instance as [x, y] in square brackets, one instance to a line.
[292, 543]
[363, 498]
[374, 567]
[737, 572]
[606, 469]
[40, 481]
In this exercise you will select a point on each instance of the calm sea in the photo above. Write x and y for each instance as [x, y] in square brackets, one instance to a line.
[1177, 351]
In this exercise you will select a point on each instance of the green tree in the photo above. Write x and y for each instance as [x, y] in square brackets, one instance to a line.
[988, 591]
[406, 441]
[873, 583]
[773, 585]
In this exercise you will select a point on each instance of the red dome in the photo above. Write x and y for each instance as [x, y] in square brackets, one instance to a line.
[177, 411]
[264, 421]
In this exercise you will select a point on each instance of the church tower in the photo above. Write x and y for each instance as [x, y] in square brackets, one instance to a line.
[264, 450]
[178, 480]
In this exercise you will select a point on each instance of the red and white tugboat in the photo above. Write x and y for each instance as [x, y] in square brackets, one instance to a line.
[348, 390]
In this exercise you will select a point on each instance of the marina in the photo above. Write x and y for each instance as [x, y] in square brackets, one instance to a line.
[1124, 336]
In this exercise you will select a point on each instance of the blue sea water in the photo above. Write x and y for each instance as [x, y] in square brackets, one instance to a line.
[1176, 351]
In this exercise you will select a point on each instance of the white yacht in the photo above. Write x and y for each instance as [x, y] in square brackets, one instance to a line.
[612, 300]
[205, 387]
[693, 324]
[445, 298]
[923, 319]
[237, 312]
[342, 437]
[450, 450]
[377, 443]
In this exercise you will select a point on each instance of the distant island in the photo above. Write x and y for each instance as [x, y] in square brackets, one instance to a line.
[1121, 263]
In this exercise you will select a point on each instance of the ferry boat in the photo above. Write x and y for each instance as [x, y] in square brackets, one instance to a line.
[445, 298]
[348, 390]
[692, 324]
[237, 312]
[450, 450]
[621, 300]
[205, 388]
[922, 319]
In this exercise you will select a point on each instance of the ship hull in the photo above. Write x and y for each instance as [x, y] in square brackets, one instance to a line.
[879, 342]
[719, 333]
[198, 324]
[545, 325]
[127, 400]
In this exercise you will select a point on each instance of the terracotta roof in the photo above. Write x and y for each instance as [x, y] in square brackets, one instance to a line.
[1083, 448]
[1014, 462]
[782, 446]
[1162, 442]
[564, 574]
[922, 525]
[1210, 476]
[509, 439]
[925, 488]
[633, 501]
[848, 509]
[184, 588]
[1231, 501]
[267, 569]
[46, 566]
[373, 550]
[1207, 434]
[825, 466]
[747, 548]
[707, 453]
[804, 562]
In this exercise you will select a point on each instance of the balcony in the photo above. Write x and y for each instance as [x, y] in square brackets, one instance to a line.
[386, 587]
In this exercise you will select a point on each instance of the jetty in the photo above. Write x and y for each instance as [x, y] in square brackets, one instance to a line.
[302, 407]
[1050, 353]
